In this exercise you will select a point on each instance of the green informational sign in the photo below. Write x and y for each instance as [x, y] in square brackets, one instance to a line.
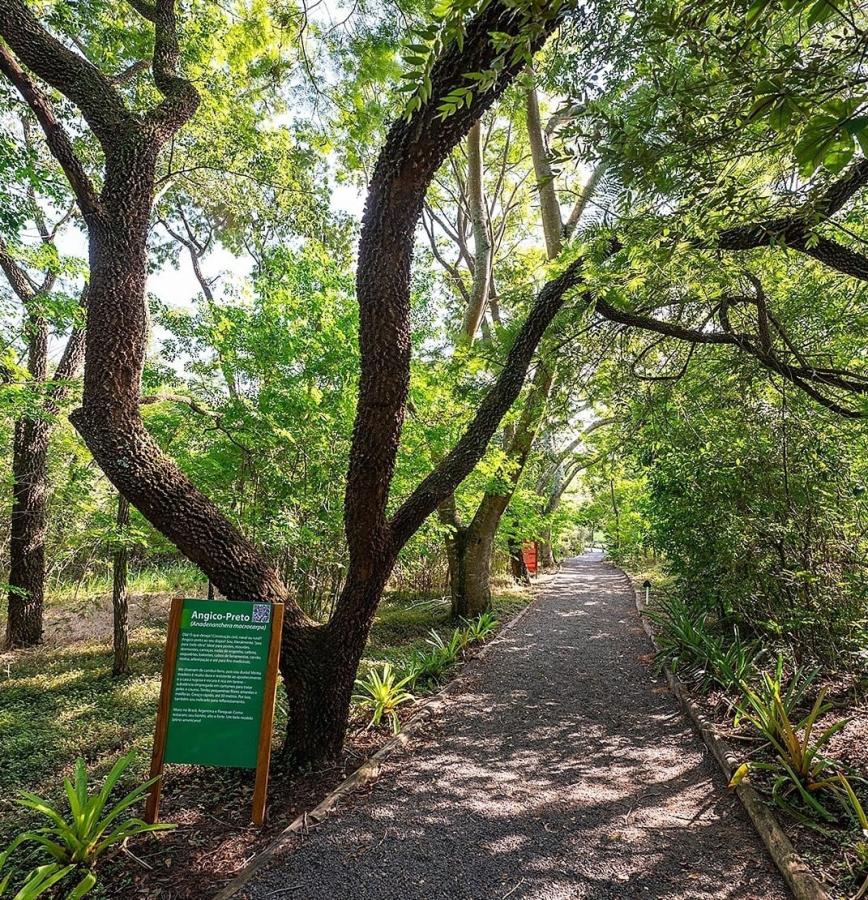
[216, 708]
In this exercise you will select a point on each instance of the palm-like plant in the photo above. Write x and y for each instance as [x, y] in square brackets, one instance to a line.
[800, 771]
[764, 704]
[76, 842]
[479, 629]
[381, 693]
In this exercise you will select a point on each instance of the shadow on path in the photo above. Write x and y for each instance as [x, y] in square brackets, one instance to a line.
[561, 769]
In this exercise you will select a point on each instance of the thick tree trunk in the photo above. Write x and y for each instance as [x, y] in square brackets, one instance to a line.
[319, 665]
[319, 662]
[120, 600]
[478, 549]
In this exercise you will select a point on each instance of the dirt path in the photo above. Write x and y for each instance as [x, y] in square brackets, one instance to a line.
[560, 770]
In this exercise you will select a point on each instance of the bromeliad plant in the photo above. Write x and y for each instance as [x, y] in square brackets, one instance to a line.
[763, 706]
[381, 693]
[690, 648]
[799, 771]
[478, 630]
[77, 841]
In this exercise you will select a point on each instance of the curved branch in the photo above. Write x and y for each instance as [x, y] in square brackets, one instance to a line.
[56, 137]
[800, 376]
[67, 72]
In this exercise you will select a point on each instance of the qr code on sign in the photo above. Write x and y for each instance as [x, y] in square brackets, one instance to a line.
[261, 612]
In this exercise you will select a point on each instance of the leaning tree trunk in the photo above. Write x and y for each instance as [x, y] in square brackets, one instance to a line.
[319, 662]
[477, 545]
[120, 599]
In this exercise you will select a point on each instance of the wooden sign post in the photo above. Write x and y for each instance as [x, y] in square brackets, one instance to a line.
[217, 694]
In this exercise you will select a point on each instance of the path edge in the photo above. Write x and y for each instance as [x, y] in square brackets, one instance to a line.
[370, 769]
[795, 871]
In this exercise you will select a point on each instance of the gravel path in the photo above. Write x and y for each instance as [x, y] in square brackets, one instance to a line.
[560, 769]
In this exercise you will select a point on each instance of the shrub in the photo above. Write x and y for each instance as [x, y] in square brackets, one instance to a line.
[799, 771]
[691, 649]
[764, 704]
[481, 628]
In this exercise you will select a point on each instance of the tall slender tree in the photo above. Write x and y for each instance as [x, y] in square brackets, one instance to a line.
[33, 429]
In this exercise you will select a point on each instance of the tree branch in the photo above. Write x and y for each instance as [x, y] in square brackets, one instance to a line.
[181, 98]
[471, 446]
[67, 72]
[796, 230]
[58, 141]
[801, 376]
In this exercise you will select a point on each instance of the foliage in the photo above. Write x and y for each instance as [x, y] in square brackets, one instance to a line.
[481, 628]
[77, 842]
[771, 705]
[689, 646]
[381, 693]
[800, 771]
[429, 665]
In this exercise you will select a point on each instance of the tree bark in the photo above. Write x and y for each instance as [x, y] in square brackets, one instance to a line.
[472, 594]
[517, 565]
[479, 220]
[545, 553]
[27, 533]
[30, 486]
[319, 662]
[120, 600]
[550, 209]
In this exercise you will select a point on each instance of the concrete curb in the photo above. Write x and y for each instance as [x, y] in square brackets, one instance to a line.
[793, 868]
[370, 769]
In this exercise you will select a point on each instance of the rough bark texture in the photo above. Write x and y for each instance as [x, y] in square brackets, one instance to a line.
[27, 533]
[30, 470]
[412, 153]
[319, 661]
[120, 599]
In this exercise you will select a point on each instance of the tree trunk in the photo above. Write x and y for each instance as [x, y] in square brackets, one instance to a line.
[319, 662]
[30, 487]
[517, 565]
[319, 665]
[550, 210]
[546, 556]
[120, 604]
[478, 549]
[482, 250]
[27, 534]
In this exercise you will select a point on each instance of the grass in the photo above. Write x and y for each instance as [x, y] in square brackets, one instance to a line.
[61, 702]
[178, 579]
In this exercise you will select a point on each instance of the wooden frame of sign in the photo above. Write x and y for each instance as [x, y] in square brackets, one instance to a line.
[266, 725]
